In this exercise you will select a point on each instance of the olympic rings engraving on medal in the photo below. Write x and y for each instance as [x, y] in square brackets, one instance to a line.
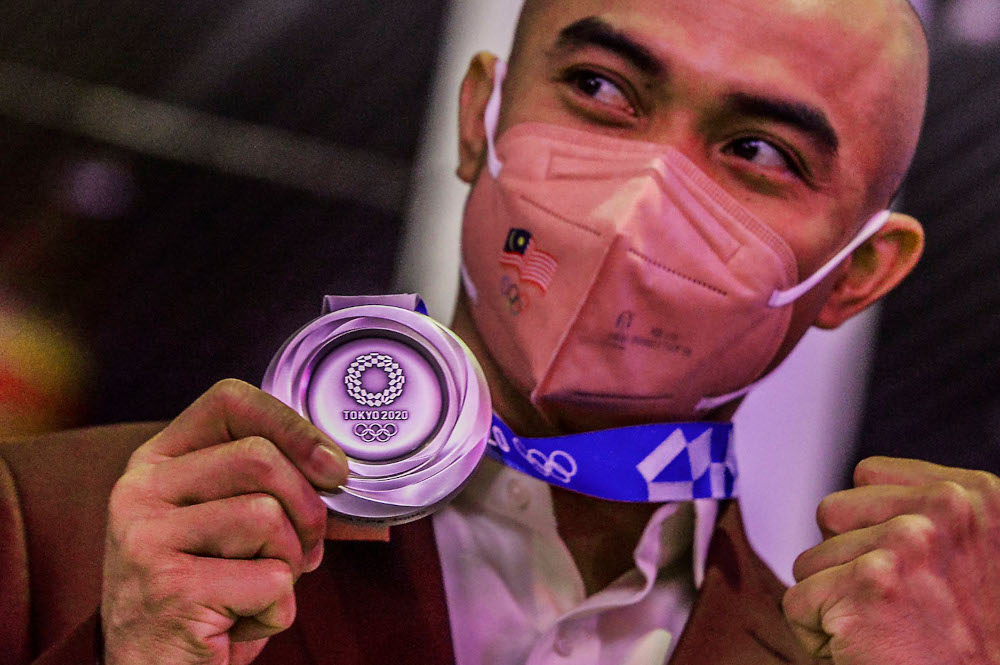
[386, 396]
[371, 432]
[559, 464]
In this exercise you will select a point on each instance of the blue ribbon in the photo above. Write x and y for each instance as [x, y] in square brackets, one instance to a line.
[642, 463]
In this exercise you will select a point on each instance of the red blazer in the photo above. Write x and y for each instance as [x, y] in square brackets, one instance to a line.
[369, 603]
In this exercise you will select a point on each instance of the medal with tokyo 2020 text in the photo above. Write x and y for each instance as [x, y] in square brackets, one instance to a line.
[401, 395]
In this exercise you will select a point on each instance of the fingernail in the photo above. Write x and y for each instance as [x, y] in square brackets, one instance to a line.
[331, 465]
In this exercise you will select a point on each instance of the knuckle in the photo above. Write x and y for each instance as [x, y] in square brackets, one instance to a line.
[129, 488]
[279, 577]
[265, 509]
[135, 543]
[120, 501]
[985, 482]
[798, 604]
[877, 574]
[229, 393]
[792, 603]
[990, 494]
[865, 469]
[139, 456]
[258, 457]
[287, 611]
[282, 612]
[958, 510]
[314, 517]
[280, 615]
[912, 533]
[802, 565]
[230, 387]
[828, 512]
[952, 499]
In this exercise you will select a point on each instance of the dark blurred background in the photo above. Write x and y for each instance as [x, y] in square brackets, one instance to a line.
[181, 182]
[934, 388]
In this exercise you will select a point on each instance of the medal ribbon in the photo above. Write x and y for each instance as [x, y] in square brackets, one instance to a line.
[642, 463]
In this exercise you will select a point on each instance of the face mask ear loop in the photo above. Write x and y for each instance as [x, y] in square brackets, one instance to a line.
[709, 403]
[782, 298]
[491, 118]
[871, 227]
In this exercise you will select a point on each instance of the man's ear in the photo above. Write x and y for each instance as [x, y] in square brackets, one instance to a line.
[874, 269]
[477, 86]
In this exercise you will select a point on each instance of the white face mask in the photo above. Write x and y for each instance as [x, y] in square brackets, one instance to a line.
[615, 277]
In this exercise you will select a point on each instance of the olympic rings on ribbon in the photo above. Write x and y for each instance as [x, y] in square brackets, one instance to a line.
[559, 464]
[371, 432]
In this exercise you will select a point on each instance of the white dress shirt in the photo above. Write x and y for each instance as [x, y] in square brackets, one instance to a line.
[516, 597]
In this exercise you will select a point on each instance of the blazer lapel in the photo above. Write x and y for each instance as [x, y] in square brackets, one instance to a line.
[737, 618]
[371, 603]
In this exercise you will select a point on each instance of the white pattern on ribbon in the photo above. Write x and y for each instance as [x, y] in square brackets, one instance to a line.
[700, 456]
[559, 464]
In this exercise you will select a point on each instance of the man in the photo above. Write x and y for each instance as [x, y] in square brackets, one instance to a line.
[803, 114]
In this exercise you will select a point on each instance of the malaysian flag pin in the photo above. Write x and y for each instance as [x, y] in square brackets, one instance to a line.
[532, 264]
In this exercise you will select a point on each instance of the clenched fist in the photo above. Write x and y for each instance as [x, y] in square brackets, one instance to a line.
[208, 529]
[909, 571]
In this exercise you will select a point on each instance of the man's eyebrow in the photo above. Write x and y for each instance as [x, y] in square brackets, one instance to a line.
[594, 31]
[802, 117]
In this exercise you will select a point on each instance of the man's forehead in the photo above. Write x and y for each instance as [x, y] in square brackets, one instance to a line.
[849, 56]
[759, 16]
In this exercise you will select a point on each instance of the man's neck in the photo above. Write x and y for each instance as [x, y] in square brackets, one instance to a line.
[601, 535]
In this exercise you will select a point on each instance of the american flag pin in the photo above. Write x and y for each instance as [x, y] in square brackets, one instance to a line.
[532, 264]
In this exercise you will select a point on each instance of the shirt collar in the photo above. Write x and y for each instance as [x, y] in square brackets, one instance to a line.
[670, 532]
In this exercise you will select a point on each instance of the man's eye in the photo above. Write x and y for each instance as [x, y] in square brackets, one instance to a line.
[762, 154]
[601, 89]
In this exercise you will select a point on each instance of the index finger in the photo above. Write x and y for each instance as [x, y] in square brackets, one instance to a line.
[232, 410]
[911, 472]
